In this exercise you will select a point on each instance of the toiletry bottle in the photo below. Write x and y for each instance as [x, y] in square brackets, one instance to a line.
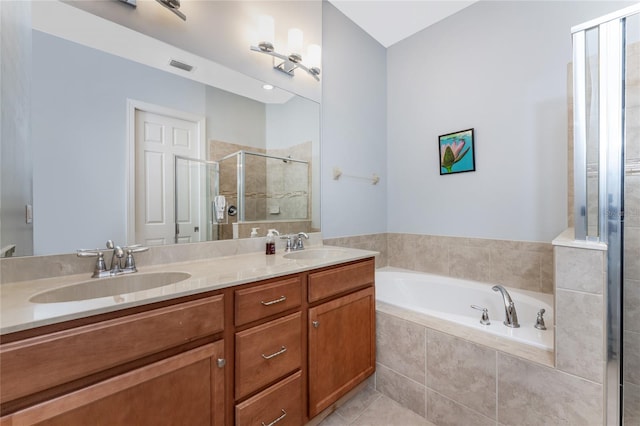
[254, 232]
[271, 241]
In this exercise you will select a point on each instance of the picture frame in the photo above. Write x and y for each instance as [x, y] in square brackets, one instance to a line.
[457, 152]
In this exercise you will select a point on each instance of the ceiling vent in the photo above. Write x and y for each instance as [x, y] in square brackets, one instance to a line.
[181, 65]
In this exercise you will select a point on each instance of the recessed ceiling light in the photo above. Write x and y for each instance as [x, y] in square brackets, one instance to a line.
[267, 86]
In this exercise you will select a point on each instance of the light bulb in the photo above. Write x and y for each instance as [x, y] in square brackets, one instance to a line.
[266, 31]
[314, 56]
[295, 42]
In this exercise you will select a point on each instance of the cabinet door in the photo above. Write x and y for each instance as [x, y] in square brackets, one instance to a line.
[185, 389]
[341, 347]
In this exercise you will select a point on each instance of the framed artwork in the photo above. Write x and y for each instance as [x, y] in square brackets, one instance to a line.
[457, 153]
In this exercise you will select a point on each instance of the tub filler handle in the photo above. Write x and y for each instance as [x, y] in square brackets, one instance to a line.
[540, 321]
[484, 320]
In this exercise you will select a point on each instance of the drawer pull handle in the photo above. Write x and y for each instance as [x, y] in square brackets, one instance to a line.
[273, 302]
[284, 414]
[281, 351]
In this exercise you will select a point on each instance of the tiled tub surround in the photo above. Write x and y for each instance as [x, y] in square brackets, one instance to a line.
[452, 378]
[519, 264]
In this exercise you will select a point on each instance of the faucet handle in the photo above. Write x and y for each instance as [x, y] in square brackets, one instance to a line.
[100, 269]
[130, 263]
[299, 241]
[540, 320]
[484, 320]
[89, 252]
[135, 248]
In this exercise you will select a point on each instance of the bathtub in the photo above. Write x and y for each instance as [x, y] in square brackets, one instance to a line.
[449, 299]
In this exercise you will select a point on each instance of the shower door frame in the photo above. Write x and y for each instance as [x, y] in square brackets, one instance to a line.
[611, 55]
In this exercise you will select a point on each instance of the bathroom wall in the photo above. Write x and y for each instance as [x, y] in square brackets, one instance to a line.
[225, 124]
[493, 67]
[15, 133]
[354, 115]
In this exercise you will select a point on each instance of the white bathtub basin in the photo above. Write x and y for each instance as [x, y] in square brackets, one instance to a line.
[450, 299]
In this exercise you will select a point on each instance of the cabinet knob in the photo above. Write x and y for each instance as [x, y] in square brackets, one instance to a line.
[316, 324]
[221, 362]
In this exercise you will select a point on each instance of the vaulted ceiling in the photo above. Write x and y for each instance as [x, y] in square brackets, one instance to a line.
[391, 21]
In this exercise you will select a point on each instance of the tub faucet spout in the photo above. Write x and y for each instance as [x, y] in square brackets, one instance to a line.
[511, 316]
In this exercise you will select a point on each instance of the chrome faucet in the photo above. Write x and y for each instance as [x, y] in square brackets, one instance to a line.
[116, 257]
[511, 316]
[294, 242]
[116, 268]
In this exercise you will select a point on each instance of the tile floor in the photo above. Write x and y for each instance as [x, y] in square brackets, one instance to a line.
[371, 408]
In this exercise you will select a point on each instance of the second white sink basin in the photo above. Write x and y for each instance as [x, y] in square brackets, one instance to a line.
[315, 254]
[103, 287]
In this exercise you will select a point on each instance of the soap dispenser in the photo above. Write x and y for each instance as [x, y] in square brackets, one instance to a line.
[271, 241]
[254, 232]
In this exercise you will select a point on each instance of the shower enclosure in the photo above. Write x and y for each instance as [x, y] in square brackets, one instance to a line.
[606, 90]
[267, 191]
[216, 200]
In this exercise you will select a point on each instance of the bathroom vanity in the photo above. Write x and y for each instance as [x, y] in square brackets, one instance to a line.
[280, 349]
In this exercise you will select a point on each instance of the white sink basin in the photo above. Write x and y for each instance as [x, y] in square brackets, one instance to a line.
[112, 286]
[315, 254]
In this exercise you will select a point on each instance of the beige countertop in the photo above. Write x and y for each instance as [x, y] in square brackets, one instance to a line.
[17, 313]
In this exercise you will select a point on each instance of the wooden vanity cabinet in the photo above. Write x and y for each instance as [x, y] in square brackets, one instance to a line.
[341, 332]
[274, 351]
[142, 368]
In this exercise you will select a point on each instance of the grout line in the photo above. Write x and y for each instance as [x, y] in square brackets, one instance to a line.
[497, 381]
[579, 291]
[472, 410]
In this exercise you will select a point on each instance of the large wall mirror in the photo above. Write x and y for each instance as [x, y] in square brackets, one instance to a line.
[126, 146]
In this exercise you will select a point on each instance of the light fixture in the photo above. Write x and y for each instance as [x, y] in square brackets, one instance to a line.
[267, 86]
[287, 63]
[174, 6]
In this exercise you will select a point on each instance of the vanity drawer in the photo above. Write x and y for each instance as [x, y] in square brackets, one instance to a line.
[267, 352]
[267, 299]
[341, 279]
[35, 364]
[281, 401]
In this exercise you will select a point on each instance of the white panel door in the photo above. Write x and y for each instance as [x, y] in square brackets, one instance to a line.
[158, 138]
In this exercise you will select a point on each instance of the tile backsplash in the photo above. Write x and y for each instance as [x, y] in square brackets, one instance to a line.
[518, 264]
